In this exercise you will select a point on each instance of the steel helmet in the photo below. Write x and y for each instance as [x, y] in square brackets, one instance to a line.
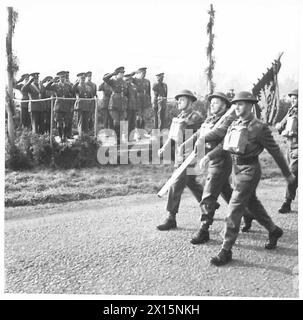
[186, 93]
[220, 95]
[293, 93]
[244, 96]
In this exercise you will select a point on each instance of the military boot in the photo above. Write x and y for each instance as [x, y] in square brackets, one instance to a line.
[273, 238]
[223, 257]
[201, 237]
[170, 223]
[285, 208]
[247, 223]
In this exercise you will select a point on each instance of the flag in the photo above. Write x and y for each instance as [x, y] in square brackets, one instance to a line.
[267, 91]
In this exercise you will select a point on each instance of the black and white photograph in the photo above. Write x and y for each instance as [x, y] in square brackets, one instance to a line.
[151, 150]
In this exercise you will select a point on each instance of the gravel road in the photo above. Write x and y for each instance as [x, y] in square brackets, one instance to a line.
[112, 247]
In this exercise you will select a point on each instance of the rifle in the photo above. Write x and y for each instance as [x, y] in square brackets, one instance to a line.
[190, 158]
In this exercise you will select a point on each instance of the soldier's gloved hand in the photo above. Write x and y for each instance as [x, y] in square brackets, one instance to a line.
[291, 179]
[203, 162]
[278, 126]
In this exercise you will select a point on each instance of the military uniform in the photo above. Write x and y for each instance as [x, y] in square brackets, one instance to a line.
[45, 94]
[245, 140]
[105, 119]
[131, 103]
[24, 114]
[188, 119]
[159, 103]
[94, 90]
[70, 103]
[83, 107]
[61, 106]
[288, 127]
[118, 100]
[143, 99]
[192, 120]
[35, 108]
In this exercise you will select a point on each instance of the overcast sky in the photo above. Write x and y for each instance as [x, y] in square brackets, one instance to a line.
[165, 36]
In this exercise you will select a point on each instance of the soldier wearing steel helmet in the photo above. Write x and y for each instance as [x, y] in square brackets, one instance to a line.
[187, 119]
[288, 127]
[245, 139]
[219, 168]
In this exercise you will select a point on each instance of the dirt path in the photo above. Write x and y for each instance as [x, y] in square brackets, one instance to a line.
[111, 247]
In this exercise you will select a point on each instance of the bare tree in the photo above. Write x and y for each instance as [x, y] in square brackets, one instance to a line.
[12, 68]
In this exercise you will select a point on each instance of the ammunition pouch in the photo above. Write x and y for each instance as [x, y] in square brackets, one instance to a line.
[236, 139]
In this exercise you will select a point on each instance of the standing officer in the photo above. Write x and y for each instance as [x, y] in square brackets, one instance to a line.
[187, 119]
[94, 89]
[84, 107]
[106, 121]
[36, 108]
[24, 114]
[288, 127]
[160, 100]
[118, 100]
[46, 93]
[132, 103]
[70, 103]
[143, 97]
[246, 138]
[61, 107]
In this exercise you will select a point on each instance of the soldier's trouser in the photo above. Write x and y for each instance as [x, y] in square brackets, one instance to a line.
[159, 114]
[25, 116]
[69, 124]
[37, 121]
[47, 120]
[246, 179]
[131, 118]
[83, 119]
[61, 119]
[103, 119]
[117, 116]
[141, 118]
[292, 157]
[217, 182]
[176, 190]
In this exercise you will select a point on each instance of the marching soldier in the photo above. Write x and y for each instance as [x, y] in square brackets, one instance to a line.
[219, 168]
[94, 89]
[246, 138]
[106, 121]
[288, 127]
[36, 108]
[61, 107]
[143, 97]
[24, 115]
[84, 107]
[187, 119]
[160, 100]
[118, 100]
[132, 103]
